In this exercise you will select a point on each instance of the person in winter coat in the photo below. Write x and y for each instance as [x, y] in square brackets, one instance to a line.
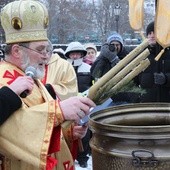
[75, 53]
[111, 53]
[117, 40]
[91, 53]
[156, 78]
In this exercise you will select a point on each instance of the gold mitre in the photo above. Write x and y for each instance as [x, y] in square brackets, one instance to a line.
[24, 21]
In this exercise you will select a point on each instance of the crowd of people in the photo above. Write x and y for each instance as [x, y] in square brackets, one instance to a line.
[34, 126]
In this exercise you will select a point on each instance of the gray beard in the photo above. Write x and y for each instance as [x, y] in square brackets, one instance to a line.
[40, 73]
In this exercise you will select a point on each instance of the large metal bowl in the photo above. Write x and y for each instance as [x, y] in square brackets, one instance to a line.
[133, 137]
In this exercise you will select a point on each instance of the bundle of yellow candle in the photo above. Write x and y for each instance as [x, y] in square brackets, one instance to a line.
[120, 75]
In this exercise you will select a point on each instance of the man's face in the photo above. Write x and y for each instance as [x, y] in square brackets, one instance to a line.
[151, 38]
[75, 55]
[37, 55]
[117, 46]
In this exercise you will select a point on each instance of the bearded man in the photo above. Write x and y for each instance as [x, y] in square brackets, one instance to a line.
[32, 137]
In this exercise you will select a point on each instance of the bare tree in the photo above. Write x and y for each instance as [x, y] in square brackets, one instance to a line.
[69, 19]
[72, 20]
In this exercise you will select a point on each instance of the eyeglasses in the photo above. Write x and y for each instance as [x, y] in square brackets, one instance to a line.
[42, 52]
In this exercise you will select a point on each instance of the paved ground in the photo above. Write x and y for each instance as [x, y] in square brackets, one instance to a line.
[89, 165]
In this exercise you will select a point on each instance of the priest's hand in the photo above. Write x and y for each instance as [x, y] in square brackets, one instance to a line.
[79, 132]
[75, 108]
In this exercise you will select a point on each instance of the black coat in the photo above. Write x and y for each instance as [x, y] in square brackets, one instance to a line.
[156, 93]
[84, 81]
[84, 78]
[9, 103]
[102, 65]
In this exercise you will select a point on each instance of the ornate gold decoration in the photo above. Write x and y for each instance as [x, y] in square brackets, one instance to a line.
[16, 23]
[24, 20]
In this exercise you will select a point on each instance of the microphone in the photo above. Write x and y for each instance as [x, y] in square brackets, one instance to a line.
[30, 71]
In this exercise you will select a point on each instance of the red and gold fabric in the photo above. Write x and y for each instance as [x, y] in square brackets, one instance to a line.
[61, 75]
[32, 138]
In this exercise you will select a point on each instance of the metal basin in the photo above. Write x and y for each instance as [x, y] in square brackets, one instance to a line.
[133, 137]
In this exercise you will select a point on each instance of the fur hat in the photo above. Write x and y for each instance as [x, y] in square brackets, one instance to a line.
[150, 28]
[115, 37]
[24, 21]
